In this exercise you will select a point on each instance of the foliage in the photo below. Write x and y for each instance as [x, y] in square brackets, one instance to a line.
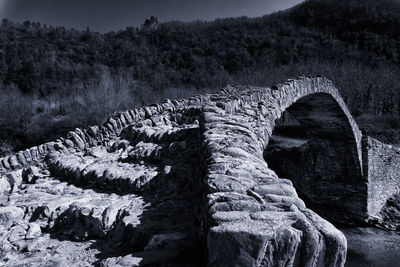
[54, 78]
[28, 120]
[200, 54]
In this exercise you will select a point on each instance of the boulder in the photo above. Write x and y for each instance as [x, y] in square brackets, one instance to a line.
[5, 185]
[15, 179]
[34, 231]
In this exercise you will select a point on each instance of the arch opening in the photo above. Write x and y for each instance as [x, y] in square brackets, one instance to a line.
[313, 145]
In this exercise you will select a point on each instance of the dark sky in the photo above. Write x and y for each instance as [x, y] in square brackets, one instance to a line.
[106, 15]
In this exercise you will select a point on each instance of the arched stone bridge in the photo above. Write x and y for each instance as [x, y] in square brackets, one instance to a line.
[195, 182]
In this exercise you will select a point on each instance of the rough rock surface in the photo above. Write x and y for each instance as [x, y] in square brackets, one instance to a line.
[181, 183]
[133, 201]
[257, 219]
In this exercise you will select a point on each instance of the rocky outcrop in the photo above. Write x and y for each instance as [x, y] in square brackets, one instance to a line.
[389, 217]
[183, 183]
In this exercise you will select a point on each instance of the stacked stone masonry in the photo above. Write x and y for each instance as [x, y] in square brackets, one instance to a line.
[185, 183]
[383, 164]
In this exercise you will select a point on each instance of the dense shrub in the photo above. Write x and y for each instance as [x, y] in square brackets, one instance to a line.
[53, 79]
[28, 120]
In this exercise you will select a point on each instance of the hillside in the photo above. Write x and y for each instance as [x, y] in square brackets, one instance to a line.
[53, 78]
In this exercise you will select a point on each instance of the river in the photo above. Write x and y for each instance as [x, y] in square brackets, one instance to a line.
[372, 247]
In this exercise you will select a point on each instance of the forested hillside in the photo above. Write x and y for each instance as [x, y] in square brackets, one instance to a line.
[53, 78]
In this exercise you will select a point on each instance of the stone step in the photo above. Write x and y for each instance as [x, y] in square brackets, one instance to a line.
[106, 172]
[160, 134]
[155, 153]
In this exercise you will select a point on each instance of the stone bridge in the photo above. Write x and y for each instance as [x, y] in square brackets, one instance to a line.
[218, 180]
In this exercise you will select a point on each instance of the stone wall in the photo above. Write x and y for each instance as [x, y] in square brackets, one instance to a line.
[255, 218]
[383, 163]
[317, 105]
[80, 139]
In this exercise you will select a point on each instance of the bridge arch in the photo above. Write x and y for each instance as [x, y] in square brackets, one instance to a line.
[314, 141]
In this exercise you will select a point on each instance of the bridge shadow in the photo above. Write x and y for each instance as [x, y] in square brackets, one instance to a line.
[313, 145]
[169, 230]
